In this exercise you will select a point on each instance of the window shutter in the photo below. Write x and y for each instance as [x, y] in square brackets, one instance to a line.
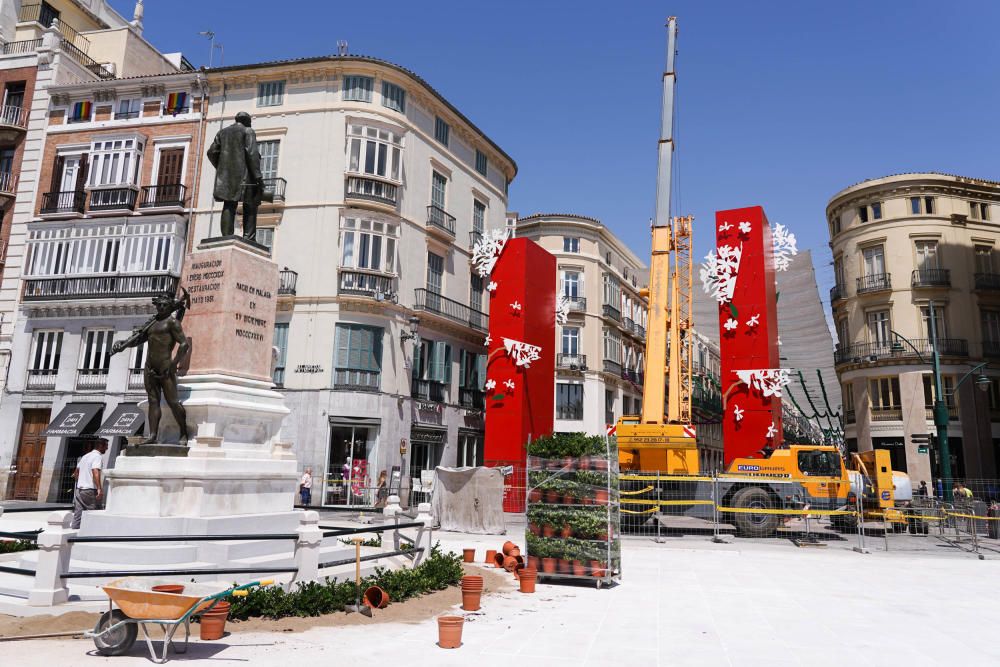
[480, 378]
[57, 173]
[463, 377]
[418, 358]
[81, 175]
[446, 375]
[342, 347]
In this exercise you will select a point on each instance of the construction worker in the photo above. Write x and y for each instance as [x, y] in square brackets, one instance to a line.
[962, 493]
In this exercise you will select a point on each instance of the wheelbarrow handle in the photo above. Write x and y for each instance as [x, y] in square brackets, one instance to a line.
[242, 591]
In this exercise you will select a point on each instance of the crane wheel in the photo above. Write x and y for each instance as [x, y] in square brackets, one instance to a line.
[755, 525]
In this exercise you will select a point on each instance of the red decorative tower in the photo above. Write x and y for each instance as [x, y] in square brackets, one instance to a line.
[520, 375]
[743, 284]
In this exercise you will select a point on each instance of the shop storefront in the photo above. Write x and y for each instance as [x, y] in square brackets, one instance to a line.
[76, 424]
[426, 450]
[351, 465]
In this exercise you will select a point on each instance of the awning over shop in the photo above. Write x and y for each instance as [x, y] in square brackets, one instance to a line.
[73, 420]
[126, 420]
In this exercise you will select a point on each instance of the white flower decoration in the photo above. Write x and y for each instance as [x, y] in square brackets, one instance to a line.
[522, 353]
[509, 384]
[738, 413]
[562, 309]
[491, 385]
[745, 227]
[487, 250]
[772, 431]
[731, 324]
[768, 380]
[492, 287]
[754, 321]
[489, 339]
[719, 271]
[785, 247]
[725, 227]
[515, 306]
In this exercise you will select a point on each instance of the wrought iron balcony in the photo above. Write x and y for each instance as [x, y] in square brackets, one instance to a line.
[930, 278]
[427, 390]
[356, 380]
[287, 279]
[574, 362]
[127, 115]
[612, 367]
[113, 199]
[136, 379]
[171, 195]
[13, 122]
[91, 379]
[275, 189]
[359, 282]
[577, 304]
[857, 353]
[88, 63]
[42, 379]
[367, 188]
[438, 218]
[612, 312]
[22, 46]
[628, 324]
[116, 286]
[433, 302]
[987, 281]
[8, 183]
[849, 417]
[473, 399]
[69, 201]
[890, 414]
[630, 375]
[838, 292]
[639, 330]
[874, 282]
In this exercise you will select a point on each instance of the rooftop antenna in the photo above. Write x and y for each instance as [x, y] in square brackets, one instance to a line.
[341, 47]
[211, 47]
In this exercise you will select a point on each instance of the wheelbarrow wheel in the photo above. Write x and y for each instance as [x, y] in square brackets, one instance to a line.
[119, 640]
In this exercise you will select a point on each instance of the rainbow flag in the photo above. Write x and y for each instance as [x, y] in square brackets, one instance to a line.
[176, 103]
[81, 111]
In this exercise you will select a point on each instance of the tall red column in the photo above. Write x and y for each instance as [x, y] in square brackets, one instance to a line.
[522, 310]
[748, 334]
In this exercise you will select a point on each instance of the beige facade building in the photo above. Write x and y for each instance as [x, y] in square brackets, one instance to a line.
[903, 246]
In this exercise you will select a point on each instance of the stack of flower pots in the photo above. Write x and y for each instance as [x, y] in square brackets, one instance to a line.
[472, 592]
[573, 508]
[213, 621]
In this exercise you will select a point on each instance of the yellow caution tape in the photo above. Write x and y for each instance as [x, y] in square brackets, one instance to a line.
[973, 516]
[649, 511]
[750, 510]
[635, 493]
[666, 478]
[665, 502]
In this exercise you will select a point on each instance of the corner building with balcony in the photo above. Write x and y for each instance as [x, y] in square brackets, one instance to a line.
[381, 187]
[599, 350]
[97, 227]
[901, 243]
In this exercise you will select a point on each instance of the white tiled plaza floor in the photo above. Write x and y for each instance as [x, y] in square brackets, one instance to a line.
[688, 602]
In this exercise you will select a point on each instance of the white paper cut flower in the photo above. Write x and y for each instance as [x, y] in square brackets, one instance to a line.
[509, 384]
[718, 272]
[562, 309]
[489, 339]
[772, 431]
[738, 413]
[745, 227]
[768, 380]
[725, 227]
[491, 385]
[487, 250]
[492, 287]
[515, 306]
[731, 324]
[754, 321]
[785, 247]
[522, 353]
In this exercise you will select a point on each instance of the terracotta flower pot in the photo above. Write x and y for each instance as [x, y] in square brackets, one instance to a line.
[507, 547]
[566, 531]
[450, 631]
[552, 497]
[548, 530]
[511, 563]
[375, 597]
[515, 552]
[534, 529]
[490, 555]
[565, 567]
[526, 581]
[569, 463]
[549, 565]
[176, 589]
[599, 464]
[579, 569]
[601, 497]
[584, 463]
[535, 563]
[472, 582]
[471, 600]
[469, 555]
[498, 559]
[534, 496]
[603, 537]
[569, 500]
[213, 622]
[597, 568]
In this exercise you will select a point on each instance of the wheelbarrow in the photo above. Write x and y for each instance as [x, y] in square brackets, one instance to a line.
[139, 605]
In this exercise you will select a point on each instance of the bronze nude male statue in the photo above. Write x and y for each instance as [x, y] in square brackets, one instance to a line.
[161, 333]
[236, 158]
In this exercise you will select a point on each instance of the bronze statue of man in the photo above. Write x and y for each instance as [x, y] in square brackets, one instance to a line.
[161, 333]
[236, 159]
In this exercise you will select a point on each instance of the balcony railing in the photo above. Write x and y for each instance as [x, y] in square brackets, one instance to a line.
[275, 188]
[287, 279]
[427, 390]
[161, 196]
[127, 115]
[8, 182]
[930, 278]
[881, 351]
[356, 380]
[628, 324]
[113, 199]
[612, 367]
[90, 379]
[42, 379]
[612, 312]
[438, 217]
[891, 414]
[70, 201]
[639, 330]
[354, 282]
[88, 63]
[14, 116]
[952, 412]
[96, 287]
[706, 401]
[988, 281]
[631, 375]
[991, 348]
[22, 46]
[849, 417]
[473, 399]
[575, 362]
[136, 379]
[577, 304]
[838, 292]
[433, 302]
[874, 282]
[372, 189]
[41, 13]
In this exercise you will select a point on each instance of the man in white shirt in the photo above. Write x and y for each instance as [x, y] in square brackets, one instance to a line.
[305, 487]
[88, 492]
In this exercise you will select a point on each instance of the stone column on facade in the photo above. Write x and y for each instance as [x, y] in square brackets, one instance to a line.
[862, 415]
[977, 439]
[911, 390]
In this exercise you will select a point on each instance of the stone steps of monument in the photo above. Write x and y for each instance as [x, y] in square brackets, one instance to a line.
[148, 554]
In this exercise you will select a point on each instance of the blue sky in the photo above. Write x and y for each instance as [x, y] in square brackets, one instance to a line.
[780, 104]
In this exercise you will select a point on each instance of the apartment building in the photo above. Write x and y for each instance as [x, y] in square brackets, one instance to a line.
[904, 247]
[95, 224]
[382, 186]
[599, 350]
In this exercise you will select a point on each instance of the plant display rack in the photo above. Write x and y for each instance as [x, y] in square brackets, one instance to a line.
[572, 508]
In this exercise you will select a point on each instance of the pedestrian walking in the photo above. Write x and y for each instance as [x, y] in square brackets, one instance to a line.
[305, 487]
[88, 491]
[922, 489]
